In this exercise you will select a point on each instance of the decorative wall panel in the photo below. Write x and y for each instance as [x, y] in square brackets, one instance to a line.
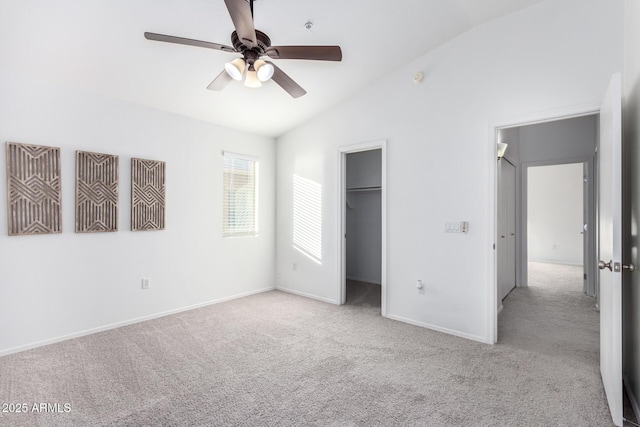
[147, 194]
[33, 189]
[96, 192]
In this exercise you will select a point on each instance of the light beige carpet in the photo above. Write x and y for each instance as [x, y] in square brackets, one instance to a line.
[552, 315]
[276, 359]
[363, 294]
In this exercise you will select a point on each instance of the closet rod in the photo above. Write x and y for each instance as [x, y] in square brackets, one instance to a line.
[374, 188]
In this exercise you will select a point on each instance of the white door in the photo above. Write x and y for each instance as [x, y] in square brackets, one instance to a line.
[585, 228]
[511, 228]
[610, 246]
[506, 247]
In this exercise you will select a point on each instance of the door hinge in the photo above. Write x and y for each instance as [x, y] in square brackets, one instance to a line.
[585, 276]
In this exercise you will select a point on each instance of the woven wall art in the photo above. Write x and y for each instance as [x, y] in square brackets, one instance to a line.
[96, 192]
[33, 189]
[147, 195]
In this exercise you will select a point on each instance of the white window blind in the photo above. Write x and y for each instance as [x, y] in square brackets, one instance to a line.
[240, 195]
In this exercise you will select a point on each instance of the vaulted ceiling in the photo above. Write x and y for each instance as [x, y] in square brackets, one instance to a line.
[98, 46]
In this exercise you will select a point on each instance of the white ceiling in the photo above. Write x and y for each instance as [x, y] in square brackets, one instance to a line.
[99, 46]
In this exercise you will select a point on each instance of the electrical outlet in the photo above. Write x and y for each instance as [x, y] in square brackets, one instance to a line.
[146, 283]
[420, 286]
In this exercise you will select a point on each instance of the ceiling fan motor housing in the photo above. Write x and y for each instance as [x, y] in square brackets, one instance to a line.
[261, 48]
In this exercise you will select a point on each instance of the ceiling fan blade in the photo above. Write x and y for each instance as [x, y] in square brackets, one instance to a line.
[188, 42]
[286, 82]
[319, 53]
[220, 82]
[242, 18]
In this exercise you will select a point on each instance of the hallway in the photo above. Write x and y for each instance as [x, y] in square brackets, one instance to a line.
[552, 316]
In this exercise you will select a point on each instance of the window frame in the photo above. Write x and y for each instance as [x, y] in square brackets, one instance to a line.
[227, 230]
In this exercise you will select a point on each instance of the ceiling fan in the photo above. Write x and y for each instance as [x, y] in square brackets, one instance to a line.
[254, 44]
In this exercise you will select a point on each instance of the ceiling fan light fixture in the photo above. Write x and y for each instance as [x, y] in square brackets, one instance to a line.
[252, 79]
[264, 69]
[235, 68]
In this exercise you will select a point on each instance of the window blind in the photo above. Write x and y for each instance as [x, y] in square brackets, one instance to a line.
[240, 195]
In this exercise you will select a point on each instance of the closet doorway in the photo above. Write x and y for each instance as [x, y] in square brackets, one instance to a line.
[363, 226]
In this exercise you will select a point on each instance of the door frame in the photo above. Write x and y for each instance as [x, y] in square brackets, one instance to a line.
[342, 217]
[589, 197]
[494, 128]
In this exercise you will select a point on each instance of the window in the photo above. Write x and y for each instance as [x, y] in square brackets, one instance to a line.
[240, 195]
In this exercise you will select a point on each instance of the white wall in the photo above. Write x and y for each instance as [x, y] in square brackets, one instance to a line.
[440, 155]
[53, 286]
[631, 199]
[555, 213]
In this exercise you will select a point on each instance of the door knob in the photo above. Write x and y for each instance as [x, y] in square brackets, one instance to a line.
[602, 265]
[618, 267]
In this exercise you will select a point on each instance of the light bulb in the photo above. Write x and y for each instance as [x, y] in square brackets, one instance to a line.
[264, 69]
[252, 79]
[235, 68]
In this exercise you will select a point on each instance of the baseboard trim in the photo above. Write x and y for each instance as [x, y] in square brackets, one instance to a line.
[86, 332]
[558, 262]
[393, 317]
[439, 329]
[635, 405]
[303, 294]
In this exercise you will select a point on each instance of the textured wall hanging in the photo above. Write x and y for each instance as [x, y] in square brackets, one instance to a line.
[33, 189]
[147, 194]
[96, 192]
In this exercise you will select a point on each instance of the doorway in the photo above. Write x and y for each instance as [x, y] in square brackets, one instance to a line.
[606, 159]
[559, 217]
[363, 225]
[556, 225]
[570, 140]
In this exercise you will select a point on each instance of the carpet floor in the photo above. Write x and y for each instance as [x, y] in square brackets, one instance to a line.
[276, 359]
[363, 294]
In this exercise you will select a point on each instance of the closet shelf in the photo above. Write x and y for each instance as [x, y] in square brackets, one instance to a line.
[357, 189]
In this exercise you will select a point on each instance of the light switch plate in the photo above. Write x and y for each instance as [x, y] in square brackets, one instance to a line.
[456, 227]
